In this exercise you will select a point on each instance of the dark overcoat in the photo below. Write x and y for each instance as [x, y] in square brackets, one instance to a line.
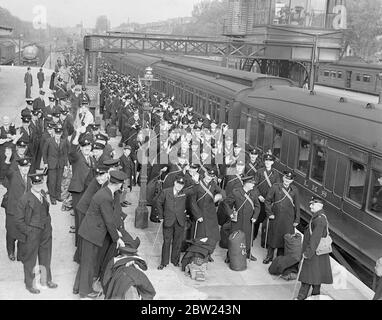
[262, 184]
[286, 213]
[238, 201]
[315, 269]
[99, 219]
[16, 189]
[203, 205]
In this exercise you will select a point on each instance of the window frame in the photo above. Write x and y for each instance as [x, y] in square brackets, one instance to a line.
[347, 185]
[315, 145]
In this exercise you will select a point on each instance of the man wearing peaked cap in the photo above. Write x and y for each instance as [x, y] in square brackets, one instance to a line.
[82, 172]
[100, 180]
[99, 225]
[266, 177]
[316, 269]
[39, 102]
[247, 208]
[128, 167]
[253, 164]
[171, 205]
[282, 205]
[55, 156]
[34, 223]
[17, 184]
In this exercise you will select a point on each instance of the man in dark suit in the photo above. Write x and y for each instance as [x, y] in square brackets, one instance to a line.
[82, 164]
[34, 223]
[39, 103]
[171, 206]
[17, 184]
[98, 222]
[128, 167]
[99, 181]
[40, 78]
[55, 155]
[28, 80]
[36, 126]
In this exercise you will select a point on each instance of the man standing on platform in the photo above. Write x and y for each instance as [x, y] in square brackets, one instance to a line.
[266, 177]
[172, 211]
[282, 206]
[82, 163]
[28, 80]
[55, 155]
[40, 78]
[98, 222]
[33, 221]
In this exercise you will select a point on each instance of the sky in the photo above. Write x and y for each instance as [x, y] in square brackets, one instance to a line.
[68, 13]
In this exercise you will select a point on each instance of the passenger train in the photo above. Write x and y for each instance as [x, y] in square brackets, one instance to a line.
[333, 146]
[353, 76]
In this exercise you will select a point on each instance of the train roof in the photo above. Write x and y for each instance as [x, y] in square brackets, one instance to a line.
[349, 121]
[248, 79]
[360, 65]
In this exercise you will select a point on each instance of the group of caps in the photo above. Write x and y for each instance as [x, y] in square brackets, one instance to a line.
[116, 176]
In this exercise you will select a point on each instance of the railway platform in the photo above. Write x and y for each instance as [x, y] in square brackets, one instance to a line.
[255, 283]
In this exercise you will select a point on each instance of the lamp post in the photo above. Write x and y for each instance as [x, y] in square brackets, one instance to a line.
[20, 36]
[141, 212]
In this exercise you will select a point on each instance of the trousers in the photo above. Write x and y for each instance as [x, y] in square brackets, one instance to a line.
[54, 182]
[38, 245]
[86, 270]
[172, 236]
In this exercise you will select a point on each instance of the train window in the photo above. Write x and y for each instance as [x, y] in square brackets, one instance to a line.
[277, 135]
[333, 74]
[357, 178]
[253, 132]
[303, 156]
[366, 78]
[318, 163]
[326, 73]
[358, 77]
[260, 140]
[339, 75]
[375, 196]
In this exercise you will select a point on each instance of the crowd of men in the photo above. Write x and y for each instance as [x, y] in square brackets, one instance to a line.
[201, 182]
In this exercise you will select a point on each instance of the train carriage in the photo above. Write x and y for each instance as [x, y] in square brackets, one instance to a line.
[335, 150]
[354, 76]
[334, 147]
[7, 52]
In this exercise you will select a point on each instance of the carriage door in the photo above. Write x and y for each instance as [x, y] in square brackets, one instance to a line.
[348, 79]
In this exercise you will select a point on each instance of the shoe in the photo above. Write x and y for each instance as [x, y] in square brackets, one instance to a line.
[51, 285]
[72, 231]
[161, 267]
[176, 265]
[267, 260]
[33, 290]
[91, 295]
[12, 257]
[252, 258]
[226, 260]
[72, 227]
[53, 202]
[76, 291]
[72, 214]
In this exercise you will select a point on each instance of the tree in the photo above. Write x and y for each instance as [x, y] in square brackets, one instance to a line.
[102, 24]
[364, 26]
[208, 18]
